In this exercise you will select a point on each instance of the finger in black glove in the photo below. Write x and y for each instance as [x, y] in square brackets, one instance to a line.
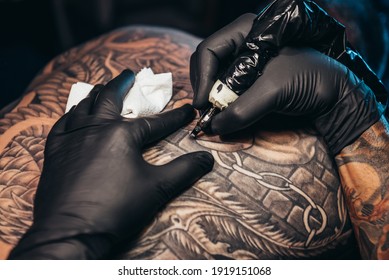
[207, 62]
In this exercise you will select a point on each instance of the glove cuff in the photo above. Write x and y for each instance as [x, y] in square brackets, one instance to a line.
[355, 112]
[41, 244]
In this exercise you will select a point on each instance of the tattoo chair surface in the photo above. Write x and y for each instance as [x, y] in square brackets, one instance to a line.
[274, 192]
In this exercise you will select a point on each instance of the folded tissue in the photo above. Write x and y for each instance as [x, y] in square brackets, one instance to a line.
[149, 94]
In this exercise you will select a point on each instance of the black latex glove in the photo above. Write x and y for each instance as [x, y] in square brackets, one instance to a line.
[308, 83]
[96, 191]
[214, 54]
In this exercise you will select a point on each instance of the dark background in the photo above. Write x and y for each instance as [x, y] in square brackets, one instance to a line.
[34, 31]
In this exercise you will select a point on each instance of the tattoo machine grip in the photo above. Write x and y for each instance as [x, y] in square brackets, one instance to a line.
[242, 73]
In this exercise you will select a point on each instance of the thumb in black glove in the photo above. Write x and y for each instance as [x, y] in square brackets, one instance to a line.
[308, 83]
[214, 54]
[96, 191]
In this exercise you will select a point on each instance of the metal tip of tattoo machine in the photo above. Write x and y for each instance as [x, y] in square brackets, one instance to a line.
[204, 121]
[195, 131]
[220, 97]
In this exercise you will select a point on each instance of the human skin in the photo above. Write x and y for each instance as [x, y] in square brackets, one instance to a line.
[274, 192]
[364, 172]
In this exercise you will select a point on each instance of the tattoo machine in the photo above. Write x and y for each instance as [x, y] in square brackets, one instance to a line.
[234, 82]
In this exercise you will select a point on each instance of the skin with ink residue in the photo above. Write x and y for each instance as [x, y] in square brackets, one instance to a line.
[274, 193]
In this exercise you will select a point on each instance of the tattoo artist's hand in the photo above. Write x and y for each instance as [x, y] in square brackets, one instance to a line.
[213, 55]
[308, 83]
[96, 191]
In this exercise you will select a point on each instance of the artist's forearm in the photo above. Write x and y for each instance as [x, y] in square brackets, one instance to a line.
[364, 172]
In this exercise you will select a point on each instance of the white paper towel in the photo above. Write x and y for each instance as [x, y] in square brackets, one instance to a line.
[149, 94]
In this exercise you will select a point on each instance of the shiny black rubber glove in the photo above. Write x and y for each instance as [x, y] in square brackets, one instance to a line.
[308, 83]
[96, 191]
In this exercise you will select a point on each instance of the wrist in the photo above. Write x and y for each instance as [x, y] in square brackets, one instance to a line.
[83, 246]
[355, 112]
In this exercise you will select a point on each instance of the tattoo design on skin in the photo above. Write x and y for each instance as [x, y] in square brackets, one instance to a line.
[273, 194]
[364, 169]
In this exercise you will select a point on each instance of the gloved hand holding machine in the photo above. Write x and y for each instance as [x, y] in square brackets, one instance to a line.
[282, 23]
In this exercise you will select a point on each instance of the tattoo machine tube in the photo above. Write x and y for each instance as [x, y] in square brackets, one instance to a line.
[293, 23]
[304, 23]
